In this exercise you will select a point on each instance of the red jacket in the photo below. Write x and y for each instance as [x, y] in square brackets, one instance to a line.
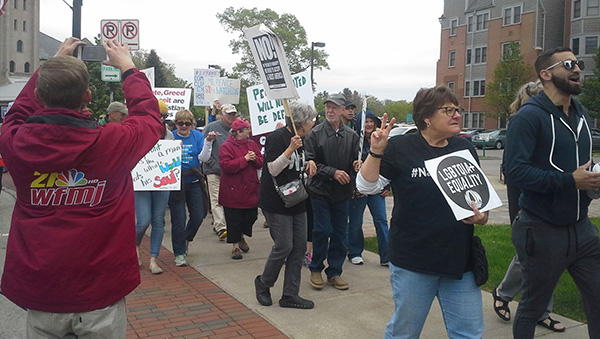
[239, 178]
[71, 246]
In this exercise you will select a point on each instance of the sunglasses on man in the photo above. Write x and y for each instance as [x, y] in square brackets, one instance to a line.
[569, 64]
[181, 123]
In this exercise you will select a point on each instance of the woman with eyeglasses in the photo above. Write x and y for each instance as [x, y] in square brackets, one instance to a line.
[150, 207]
[429, 250]
[239, 159]
[192, 187]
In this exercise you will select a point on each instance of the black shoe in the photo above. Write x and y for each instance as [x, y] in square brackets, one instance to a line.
[296, 302]
[262, 292]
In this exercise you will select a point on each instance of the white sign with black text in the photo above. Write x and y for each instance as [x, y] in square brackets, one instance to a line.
[461, 180]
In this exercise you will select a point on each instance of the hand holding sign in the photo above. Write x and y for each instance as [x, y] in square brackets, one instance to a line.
[479, 218]
[119, 55]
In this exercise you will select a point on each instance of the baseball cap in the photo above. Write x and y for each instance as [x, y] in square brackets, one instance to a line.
[337, 99]
[229, 108]
[239, 124]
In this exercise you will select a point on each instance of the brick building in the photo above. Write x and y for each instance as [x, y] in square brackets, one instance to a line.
[474, 34]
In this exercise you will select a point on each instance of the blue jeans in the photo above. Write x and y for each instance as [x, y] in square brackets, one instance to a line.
[150, 207]
[180, 232]
[413, 292]
[356, 238]
[329, 236]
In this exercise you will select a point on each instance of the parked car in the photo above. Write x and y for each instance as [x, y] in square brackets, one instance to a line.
[402, 129]
[595, 139]
[495, 138]
[468, 134]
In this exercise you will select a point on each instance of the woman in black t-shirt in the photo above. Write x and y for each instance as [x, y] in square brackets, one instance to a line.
[429, 250]
[284, 162]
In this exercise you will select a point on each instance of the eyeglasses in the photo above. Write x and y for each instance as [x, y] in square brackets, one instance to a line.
[450, 110]
[569, 64]
[186, 123]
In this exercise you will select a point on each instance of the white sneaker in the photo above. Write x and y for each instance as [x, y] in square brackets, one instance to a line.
[180, 260]
[357, 261]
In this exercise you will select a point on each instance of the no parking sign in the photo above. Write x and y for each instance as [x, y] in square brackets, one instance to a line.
[124, 31]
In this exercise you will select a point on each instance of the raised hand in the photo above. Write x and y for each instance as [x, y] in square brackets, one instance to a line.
[68, 46]
[379, 137]
[119, 55]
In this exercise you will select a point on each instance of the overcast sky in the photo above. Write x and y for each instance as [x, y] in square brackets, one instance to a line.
[388, 49]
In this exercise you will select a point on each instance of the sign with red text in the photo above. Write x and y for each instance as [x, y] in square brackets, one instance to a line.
[200, 76]
[175, 98]
[226, 90]
[122, 30]
[159, 169]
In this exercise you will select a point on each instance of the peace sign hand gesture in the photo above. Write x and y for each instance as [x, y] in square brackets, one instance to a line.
[379, 137]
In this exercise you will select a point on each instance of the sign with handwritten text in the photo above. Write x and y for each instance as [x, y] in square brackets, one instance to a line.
[159, 169]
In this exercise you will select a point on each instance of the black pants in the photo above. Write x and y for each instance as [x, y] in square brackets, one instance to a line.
[239, 221]
[546, 251]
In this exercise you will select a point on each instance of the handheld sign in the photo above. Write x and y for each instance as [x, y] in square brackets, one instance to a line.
[361, 136]
[200, 75]
[461, 180]
[271, 62]
[159, 169]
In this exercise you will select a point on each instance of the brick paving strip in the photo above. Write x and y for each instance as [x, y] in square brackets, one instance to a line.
[182, 303]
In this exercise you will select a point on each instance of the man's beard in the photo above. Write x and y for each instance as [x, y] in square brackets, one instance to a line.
[566, 86]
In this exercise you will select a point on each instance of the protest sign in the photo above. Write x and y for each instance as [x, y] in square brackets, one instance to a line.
[226, 90]
[461, 180]
[149, 74]
[200, 75]
[266, 113]
[159, 169]
[271, 62]
[175, 98]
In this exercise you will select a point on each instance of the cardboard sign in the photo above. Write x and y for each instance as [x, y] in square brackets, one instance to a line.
[461, 180]
[266, 113]
[149, 74]
[226, 90]
[199, 80]
[271, 62]
[159, 169]
[175, 98]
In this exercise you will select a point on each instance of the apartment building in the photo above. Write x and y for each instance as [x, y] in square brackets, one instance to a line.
[475, 33]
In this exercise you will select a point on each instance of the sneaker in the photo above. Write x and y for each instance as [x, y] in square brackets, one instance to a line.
[338, 283]
[180, 260]
[296, 302]
[236, 254]
[222, 234]
[244, 246]
[316, 281]
[154, 268]
[357, 261]
[263, 295]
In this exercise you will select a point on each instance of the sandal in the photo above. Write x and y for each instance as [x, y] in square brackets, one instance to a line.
[296, 302]
[503, 307]
[552, 325]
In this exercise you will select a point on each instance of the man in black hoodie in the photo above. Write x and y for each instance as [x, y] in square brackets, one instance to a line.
[548, 153]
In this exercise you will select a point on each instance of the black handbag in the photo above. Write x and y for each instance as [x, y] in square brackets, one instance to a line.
[480, 263]
[291, 193]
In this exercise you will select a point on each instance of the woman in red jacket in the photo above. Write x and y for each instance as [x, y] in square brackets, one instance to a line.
[239, 158]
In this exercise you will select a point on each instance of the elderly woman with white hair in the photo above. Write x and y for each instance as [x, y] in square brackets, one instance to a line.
[284, 163]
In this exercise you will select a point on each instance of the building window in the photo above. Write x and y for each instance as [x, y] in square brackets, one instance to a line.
[480, 55]
[24, 26]
[452, 59]
[451, 86]
[482, 21]
[576, 9]
[505, 50]
[591, 44]
[512, 15]
[473, 120]
[478, 88]
[593, 7]
[453, 26]
[575, 46]
[15, 24]
[26, 67]
[19, 46]
[15, 4]
[470, 24]
[12, 67]
[24, 5]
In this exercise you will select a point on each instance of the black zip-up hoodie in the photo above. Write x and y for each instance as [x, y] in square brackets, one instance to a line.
[542, 151]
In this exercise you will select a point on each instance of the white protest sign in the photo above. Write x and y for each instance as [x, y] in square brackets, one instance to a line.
[461, 180]
[271, 62]
[266, 113]
[159, 169]
[175, 98]
[149, 74]
[199, 76]
[226, 90]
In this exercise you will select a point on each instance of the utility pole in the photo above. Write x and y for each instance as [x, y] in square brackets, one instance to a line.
[77, 18]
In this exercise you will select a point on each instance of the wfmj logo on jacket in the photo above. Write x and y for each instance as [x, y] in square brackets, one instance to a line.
[463, 182]
[66, 188]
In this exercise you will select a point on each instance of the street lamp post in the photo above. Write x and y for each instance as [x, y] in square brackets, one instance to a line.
[312, 57]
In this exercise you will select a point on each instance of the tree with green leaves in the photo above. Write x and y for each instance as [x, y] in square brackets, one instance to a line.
[160, 77]
[285, 26]
[590, 96]
[509, 75]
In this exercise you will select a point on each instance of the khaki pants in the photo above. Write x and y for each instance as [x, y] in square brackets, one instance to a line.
[213, 181]
[108, 322]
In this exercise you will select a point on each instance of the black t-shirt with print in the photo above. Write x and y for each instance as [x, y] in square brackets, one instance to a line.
[424, 234]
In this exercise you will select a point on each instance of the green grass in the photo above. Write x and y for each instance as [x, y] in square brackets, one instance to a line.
[500, 251]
